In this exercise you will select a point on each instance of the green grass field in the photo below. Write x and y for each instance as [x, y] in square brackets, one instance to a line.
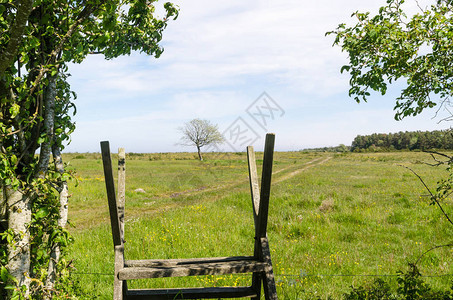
[334, 219]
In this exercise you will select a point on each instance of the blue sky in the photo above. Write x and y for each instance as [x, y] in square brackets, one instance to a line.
[219, 58]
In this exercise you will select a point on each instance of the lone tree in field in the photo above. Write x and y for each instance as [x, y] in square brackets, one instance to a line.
[37, 41]
[200, 133]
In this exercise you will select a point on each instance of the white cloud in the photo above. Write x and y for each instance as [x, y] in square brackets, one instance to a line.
[219, 56]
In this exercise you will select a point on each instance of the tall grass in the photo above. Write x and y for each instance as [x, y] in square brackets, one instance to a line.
[331, 222]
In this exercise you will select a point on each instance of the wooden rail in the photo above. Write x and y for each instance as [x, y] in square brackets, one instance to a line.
[260, 264]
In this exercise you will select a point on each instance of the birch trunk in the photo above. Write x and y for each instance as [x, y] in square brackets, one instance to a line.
[62, 221]
[3, 210]
[49, 123]
[43, 166]
[19, 217]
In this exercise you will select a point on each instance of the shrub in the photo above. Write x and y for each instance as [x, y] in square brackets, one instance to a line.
[410, 287]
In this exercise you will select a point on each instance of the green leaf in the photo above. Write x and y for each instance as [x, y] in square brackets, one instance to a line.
[43, 212]
[4, 274]
[34, 42]
[14, 110]
[13, 159]
[345, 68]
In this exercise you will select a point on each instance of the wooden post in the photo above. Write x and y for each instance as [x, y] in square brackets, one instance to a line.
[266, 177]
[110, 187]
[118, 285]
[254, 187]
[261, 211]
[270, 289]
[114, 220]
[121, 188]
[255, 192]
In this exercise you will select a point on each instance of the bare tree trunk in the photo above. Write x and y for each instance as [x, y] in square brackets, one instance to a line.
[199, 153]
[19, 217]
[62, 221]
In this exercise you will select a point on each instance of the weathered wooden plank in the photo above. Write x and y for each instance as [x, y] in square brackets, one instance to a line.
[253, 178]
[187, 261]
[118, 288]
[110, 186]
[270, 289]
[234, 267]
[191, 293]
[255, 193]
[266, 184]
[261, 218]
[121, 188]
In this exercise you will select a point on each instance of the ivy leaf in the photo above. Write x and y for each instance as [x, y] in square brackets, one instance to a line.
[14, 110]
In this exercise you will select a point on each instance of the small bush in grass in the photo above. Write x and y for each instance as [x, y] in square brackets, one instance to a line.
[410, 287]
[379, 289]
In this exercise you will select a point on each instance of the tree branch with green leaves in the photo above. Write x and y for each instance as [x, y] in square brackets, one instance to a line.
[392, 46]
[38, 39]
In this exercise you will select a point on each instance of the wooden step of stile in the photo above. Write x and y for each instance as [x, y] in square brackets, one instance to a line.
[141, 269]
[192, 293]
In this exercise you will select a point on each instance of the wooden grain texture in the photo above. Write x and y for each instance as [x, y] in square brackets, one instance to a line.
[270, 290]
[118, 286]
[110, 187]
[181, 262]
[121, 188]
[266, 178]
[193, 269]
[255, 193]
[262, 215]
[254, 187]
[191, 293]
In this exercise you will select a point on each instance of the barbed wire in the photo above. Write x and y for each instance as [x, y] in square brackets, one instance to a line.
[299, 275]
[355, 275]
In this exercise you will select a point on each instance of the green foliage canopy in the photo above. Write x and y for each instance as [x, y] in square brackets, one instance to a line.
[38, 38]
[55, 33]
[391, 46]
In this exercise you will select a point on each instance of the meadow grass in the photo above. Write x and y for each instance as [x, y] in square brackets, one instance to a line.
[334, 219]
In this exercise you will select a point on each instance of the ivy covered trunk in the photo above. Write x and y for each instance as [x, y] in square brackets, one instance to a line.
[62, 220]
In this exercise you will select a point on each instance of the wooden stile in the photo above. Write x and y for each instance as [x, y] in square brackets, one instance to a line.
[260, 264]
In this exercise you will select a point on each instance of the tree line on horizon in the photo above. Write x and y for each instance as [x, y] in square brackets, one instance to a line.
[408, 140]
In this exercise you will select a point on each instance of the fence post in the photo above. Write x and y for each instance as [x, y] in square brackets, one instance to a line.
[121, 188]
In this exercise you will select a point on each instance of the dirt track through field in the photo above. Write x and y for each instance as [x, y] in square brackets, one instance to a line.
[310, 164]
[226, 187]
[307, 165]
